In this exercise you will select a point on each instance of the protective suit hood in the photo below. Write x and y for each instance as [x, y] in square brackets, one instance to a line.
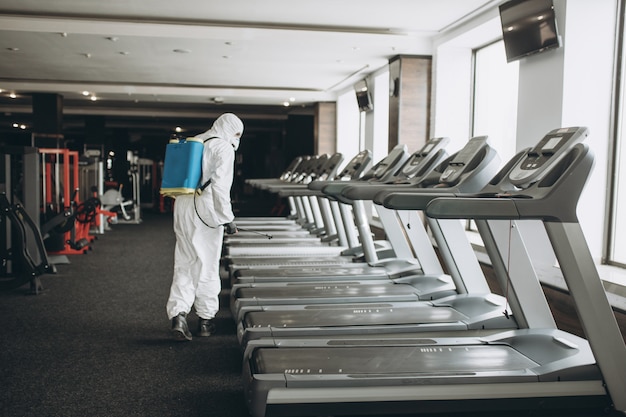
[228, 127]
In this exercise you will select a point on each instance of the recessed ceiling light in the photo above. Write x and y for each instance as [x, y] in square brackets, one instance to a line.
[13, 49]
[124, 53]
[13, 95]
[112, 38]
[286, 104]
[86, 54]
[93, 98]
[182, 51]
[85, 93]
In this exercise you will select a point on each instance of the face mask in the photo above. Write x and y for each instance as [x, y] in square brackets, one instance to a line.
[235, 143]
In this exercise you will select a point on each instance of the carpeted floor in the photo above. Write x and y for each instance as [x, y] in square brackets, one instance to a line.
[96, 342]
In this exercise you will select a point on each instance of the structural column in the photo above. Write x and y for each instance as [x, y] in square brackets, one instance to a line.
[47, 120]
[409, 101]
[325, 128]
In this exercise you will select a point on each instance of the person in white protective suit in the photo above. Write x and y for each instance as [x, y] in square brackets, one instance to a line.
[199, 224]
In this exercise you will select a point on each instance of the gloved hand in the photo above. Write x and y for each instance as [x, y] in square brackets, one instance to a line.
[230, 228]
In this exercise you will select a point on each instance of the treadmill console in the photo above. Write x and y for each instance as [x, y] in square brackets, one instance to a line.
[549, 150]
[290, 169]
[356, 166]
[330, 168]
[382, 168]
[303, 169]
[417, 160]
[317, 168]
[463, 160]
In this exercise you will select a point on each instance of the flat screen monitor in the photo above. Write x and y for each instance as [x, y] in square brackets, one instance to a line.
[363, 96]
[528, 27]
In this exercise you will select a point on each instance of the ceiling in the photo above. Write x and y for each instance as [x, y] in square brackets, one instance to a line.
[140, 58]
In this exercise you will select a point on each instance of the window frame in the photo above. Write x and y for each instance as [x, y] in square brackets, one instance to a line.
[616, 150]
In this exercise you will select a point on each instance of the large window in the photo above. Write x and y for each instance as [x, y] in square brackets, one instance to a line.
[357, 130]
[616, 253]
[495, 98]
[494, 110]
[380, 146]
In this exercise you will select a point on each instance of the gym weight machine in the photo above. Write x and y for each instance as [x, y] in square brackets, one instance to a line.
[22, 252]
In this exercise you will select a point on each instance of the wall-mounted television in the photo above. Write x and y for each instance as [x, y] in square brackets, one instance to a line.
[363, 96]
[528, 27]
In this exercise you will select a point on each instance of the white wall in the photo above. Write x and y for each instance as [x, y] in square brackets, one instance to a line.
[540, 96]
[570, 86]
[452, 76]
[347, 126]
[452, 67]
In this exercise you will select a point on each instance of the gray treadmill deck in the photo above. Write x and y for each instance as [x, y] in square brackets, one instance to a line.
[352, 315]
[247, 262]
[313, 272]
[329, 290]
[526, 355]
[416, 360]
[282, 251]
[281, 242]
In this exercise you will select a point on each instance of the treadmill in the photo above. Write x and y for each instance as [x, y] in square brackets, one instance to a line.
[354, 169]
[536, 368]
[333, 229]
[392, 305]
[368, 264]
[318, 229]
[414, 171]
[297, 191]
[403, 280]
[287, 175]
[259, 257]
[313, 167]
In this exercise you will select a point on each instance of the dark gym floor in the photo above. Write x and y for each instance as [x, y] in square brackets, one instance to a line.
[96, 342]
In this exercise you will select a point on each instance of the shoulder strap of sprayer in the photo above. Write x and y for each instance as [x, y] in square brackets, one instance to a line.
[202, 187]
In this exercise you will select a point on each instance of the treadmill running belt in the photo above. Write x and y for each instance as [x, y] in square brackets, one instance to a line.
[405, 360]
[352, 316]
[258, 261]
[326, 290]
[293, 272]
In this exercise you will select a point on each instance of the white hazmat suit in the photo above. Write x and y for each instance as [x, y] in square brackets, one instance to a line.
[199, 226]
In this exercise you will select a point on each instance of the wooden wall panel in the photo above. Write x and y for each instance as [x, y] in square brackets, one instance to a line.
[409, 101]
[325, 128]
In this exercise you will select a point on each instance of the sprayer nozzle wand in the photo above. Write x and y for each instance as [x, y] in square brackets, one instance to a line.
[254, 231]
